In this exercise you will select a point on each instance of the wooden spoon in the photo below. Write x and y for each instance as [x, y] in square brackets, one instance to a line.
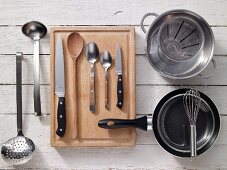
[75, 47]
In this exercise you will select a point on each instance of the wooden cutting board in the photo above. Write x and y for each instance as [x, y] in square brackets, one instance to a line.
[89, 134]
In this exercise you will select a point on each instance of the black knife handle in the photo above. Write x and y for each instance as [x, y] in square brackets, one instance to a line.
[61, 117]
[119, 92]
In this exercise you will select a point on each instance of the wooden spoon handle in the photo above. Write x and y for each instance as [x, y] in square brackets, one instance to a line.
[75, 128]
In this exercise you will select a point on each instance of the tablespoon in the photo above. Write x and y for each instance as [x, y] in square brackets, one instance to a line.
[35, 30]
[106, 62]
[75, 47]
[92, 54]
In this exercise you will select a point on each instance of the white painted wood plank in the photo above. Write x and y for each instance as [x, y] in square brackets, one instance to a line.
[145, 74]
[8, 69]
[138, 157]
[8, 99]
[15, 40]
[98, 12]
[147, 97]
[147, 153]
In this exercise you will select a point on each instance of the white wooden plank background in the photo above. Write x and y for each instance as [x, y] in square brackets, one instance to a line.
[151, 87]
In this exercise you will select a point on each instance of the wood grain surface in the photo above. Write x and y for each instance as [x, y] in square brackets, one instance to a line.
[150, 86]
[89, 134]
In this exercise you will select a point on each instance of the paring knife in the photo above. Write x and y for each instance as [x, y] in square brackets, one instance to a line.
[60, 87]
[120, 81]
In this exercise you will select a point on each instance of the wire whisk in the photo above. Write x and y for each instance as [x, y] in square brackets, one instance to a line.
[192, 103]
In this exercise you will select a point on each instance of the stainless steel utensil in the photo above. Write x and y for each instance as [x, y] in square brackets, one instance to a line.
[92, 54]
[179, 43]
[192, 103]
[120, 78]
[106, 61]
[60, 87]
[19, 149]
[35, 30]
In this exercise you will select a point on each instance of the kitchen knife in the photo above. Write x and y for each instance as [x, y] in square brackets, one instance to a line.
[119, 81]
[60, 87]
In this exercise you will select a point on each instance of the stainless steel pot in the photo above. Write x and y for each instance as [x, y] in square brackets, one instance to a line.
[179, 43]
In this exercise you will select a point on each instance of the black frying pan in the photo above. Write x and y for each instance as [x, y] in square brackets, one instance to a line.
[171, 126]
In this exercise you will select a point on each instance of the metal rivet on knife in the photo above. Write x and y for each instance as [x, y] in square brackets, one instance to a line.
[110, 123]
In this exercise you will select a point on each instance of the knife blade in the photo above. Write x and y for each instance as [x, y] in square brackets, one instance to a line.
[120, 80]
[60, 87]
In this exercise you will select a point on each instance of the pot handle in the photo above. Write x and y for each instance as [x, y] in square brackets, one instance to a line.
[141, 123]
[210, 74]
[143, 18]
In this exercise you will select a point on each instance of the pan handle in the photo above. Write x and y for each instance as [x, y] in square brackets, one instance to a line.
[143, 18]
[141, 123]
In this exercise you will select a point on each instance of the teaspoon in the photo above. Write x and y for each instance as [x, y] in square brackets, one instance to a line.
[106, 62]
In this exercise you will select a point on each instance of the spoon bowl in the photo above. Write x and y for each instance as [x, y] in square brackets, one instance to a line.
[75, 45]
[34, 29]
[106, 59]
[92, 52]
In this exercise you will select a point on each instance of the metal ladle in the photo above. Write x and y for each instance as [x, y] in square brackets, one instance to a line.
[19, 149]
[35, 30]
[92, 54]
[106, 62]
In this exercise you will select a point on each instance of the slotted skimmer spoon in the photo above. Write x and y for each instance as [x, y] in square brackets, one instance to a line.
[192, 103]
[18, 150]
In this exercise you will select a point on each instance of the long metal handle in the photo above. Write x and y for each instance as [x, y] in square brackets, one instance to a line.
[37, 103]
[193, 141]
[92, 89]
[19, 57]
[106, 90]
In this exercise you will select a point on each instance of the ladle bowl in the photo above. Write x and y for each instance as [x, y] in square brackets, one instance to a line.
[34, 29]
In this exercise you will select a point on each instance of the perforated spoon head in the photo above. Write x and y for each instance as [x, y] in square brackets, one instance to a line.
[18, 150]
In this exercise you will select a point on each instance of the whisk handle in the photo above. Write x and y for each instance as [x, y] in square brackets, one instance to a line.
[193, 141]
